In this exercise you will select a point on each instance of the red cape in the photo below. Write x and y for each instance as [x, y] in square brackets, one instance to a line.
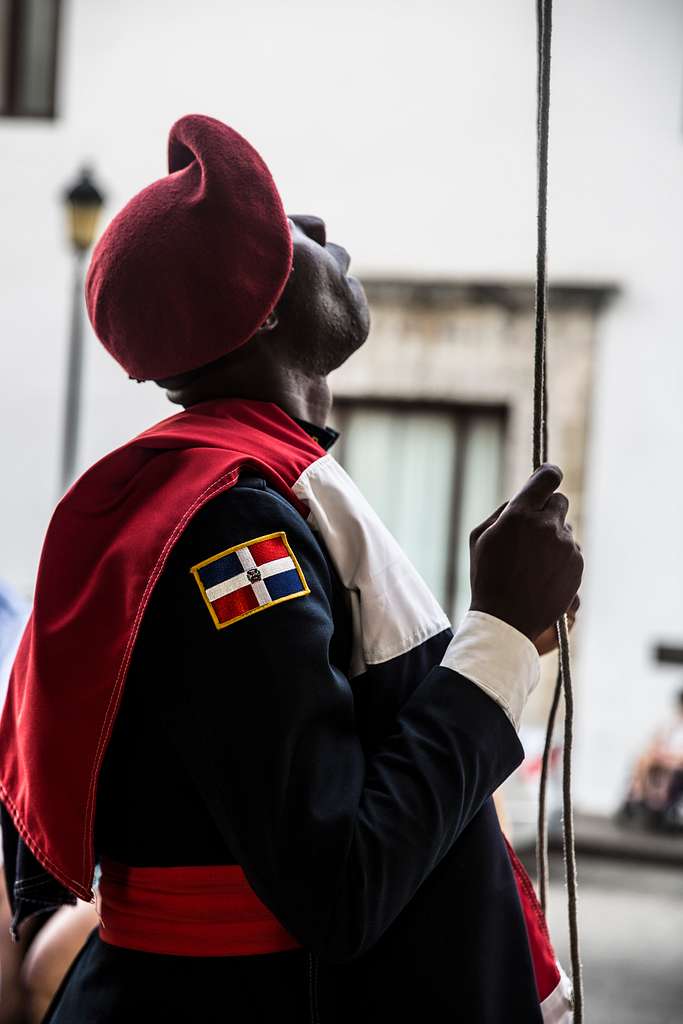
[105, 548]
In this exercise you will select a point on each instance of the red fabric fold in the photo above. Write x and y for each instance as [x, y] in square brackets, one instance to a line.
[546, 971]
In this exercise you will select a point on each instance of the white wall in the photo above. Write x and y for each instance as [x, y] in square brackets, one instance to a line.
[410, 127]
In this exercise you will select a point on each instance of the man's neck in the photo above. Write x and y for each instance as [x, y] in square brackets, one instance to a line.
[301, 396]
[305, 398]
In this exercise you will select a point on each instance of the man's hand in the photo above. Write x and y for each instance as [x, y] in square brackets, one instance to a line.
[525, 566]
[547, 641]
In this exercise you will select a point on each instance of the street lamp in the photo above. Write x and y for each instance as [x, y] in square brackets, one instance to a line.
[83, 203]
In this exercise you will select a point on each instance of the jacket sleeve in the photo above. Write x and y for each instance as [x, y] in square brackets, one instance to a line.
[334, 840]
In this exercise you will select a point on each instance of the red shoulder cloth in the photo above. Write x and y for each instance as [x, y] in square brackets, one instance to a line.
[105, 548]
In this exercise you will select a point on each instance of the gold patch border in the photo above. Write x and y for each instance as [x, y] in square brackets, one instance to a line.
[262, 607]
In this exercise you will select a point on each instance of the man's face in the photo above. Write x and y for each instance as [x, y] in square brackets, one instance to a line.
[324, 308]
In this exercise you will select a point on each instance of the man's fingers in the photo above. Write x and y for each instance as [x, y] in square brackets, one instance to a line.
[538, 488]
[478, 530]
[557, 507]
[572, 611]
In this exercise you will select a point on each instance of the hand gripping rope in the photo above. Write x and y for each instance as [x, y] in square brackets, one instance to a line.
[544, 10]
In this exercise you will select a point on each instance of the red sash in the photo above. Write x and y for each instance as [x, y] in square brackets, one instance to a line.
[213, 911]
[187, 911]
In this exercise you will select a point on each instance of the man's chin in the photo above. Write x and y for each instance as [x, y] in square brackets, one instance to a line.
[362, 310]
[339, 349]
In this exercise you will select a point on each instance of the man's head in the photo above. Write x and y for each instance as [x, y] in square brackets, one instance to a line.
[321, 319]
[323, 311]
[203, 277]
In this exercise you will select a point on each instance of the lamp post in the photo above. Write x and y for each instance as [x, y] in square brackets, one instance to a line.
[83, 203]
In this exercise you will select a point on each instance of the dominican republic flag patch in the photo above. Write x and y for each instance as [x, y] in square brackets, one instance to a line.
[249, 578]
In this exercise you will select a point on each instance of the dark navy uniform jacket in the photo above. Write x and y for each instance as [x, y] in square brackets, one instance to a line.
[361, 815]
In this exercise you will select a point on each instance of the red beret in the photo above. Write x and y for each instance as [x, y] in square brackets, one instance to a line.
[192, 265]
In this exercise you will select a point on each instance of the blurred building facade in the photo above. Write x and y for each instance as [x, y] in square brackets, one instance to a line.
[410, 128]
[434, 415]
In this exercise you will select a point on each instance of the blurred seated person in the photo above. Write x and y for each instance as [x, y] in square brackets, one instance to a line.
[51, 954]
[31, 969]
[655, 795]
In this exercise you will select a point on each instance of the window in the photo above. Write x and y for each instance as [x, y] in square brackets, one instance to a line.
[28, 57]
[432, 473]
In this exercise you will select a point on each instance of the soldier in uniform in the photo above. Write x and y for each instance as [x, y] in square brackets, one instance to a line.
[270, 741]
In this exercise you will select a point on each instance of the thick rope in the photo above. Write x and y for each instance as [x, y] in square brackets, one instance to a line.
[544, 30]
[544, 10]
[568, 819]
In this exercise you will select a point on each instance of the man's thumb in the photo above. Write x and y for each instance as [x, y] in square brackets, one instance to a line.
[478, 530]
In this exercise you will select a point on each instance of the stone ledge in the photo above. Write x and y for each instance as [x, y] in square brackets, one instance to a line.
[514, 296]
[599, 836]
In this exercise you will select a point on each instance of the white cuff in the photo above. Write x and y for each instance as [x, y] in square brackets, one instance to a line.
[498, 658]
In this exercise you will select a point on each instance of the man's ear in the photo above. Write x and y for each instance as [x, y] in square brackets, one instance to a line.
[270, 323]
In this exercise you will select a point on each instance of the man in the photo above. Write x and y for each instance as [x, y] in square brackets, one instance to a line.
[289, 799]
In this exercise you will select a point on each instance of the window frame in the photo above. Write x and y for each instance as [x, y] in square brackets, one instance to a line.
[12, 66]
[461, 415]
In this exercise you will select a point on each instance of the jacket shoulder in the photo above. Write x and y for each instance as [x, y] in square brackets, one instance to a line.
[246, 549]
